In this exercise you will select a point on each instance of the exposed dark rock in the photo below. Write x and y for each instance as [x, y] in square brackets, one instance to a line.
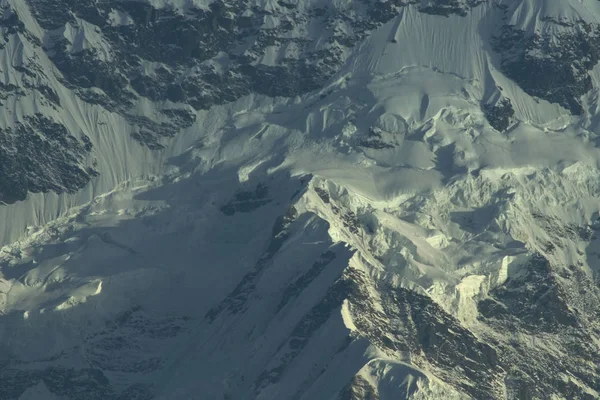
[247, 201]
[150, 132]
[551, 305]
[237, 301]
[374, 141]
[88, 384]
[10, 25]
[40, 155]
[411, 323]
[499, 115]
[359, 389]
[554, 68]
[533, 300]
[205, 57]
[323, 195]
[283, 221]
[351, 221]
[295, 288]
[305, 329]
[449, 7]
[442, 338]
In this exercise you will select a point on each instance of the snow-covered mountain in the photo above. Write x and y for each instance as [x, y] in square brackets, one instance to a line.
[300, 199]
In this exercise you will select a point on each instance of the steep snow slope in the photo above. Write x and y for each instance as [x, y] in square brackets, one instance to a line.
[302, 200]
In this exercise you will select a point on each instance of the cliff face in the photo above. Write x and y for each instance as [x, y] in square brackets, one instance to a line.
[299, 199]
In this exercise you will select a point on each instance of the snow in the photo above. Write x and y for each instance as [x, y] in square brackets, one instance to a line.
[181, 5]
[120, 18]
[148, 231]
[530, 14]
[85, 36]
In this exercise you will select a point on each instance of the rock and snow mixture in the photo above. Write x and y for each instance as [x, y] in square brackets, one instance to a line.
[300, 199]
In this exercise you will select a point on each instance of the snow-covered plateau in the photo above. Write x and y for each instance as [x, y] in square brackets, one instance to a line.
[299, 199]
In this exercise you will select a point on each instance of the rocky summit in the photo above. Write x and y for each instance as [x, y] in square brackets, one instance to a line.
[299, 199]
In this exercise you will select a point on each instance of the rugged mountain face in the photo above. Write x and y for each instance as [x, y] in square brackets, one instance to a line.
[299, 199]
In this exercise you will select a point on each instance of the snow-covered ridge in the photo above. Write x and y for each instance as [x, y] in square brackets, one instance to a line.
[81, 73]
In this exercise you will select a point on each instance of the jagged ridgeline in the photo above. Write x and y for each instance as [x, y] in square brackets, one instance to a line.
[299, 199]
[183, 59]
[552, 67]
[192, 57]
[212, 55]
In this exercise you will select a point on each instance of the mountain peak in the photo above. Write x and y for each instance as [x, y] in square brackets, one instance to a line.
[299, 199]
